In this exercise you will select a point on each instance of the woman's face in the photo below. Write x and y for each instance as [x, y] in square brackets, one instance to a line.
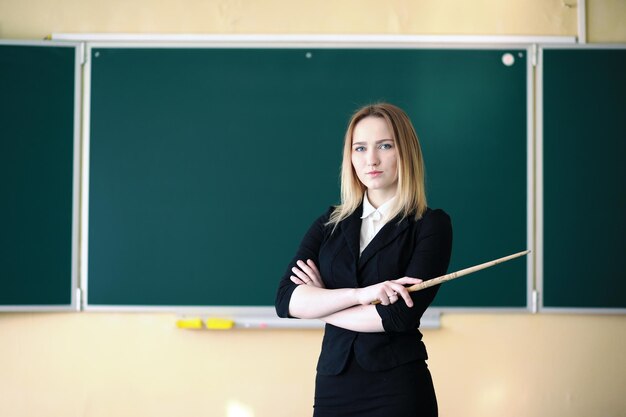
[374, 158]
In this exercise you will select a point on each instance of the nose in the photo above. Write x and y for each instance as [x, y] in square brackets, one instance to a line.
[372, 158]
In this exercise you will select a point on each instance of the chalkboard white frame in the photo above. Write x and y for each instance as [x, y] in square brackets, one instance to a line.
[539, 174]
[318, 42]
[76, 176]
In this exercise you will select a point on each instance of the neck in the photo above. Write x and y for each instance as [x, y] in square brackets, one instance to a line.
[378, 198]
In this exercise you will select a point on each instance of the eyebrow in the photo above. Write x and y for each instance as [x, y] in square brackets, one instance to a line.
[377, 142]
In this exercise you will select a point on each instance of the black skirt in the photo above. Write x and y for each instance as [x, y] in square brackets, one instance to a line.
[403, 391]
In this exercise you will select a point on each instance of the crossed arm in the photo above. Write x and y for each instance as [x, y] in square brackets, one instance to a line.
[302, 292]
[348, 308]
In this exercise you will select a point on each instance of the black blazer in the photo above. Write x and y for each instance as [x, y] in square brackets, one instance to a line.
[419, 249]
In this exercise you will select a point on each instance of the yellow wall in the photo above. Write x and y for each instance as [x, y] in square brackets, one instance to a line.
[102, 364]
[38, 18]
[606, 21]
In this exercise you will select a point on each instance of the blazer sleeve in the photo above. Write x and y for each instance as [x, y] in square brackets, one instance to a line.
[309, 249]
[430, 259]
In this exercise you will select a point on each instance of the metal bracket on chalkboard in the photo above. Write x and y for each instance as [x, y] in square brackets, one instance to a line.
[79, 300]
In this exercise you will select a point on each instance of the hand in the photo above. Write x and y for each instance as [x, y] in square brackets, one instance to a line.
[306, 273]
[387, 292]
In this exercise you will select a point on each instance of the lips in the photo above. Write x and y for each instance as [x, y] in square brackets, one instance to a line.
[374, 173]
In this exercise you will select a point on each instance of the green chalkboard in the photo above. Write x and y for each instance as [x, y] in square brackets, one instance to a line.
[207, 165]
[37, 136]
[584, 135]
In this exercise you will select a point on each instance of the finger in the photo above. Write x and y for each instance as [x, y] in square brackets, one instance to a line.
[408, 281]
[402, 291]
[300, 274]
[311, 278]
[384, 298]
[313, 267]
[306, 269]
[313, 273]
[296, 280]
[393, 298]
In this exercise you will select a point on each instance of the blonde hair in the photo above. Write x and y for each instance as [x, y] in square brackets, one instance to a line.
[411, 192]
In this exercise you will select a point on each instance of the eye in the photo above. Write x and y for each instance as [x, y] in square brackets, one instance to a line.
[385, 146]
[359, 149]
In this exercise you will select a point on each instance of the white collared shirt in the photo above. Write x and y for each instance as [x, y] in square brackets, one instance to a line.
[372, 220]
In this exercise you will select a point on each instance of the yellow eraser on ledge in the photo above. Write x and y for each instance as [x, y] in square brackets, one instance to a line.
[219, 324]
[189, 323]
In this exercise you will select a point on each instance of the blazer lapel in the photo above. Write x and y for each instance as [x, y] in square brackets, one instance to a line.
[351, 229]
[386, 235]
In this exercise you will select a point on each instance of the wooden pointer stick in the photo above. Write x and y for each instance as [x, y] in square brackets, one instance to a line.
[462, 272]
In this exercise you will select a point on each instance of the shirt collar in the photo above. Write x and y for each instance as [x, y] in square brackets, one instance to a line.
[368, 208]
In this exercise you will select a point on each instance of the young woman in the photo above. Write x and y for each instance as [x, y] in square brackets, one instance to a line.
[380, 238]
